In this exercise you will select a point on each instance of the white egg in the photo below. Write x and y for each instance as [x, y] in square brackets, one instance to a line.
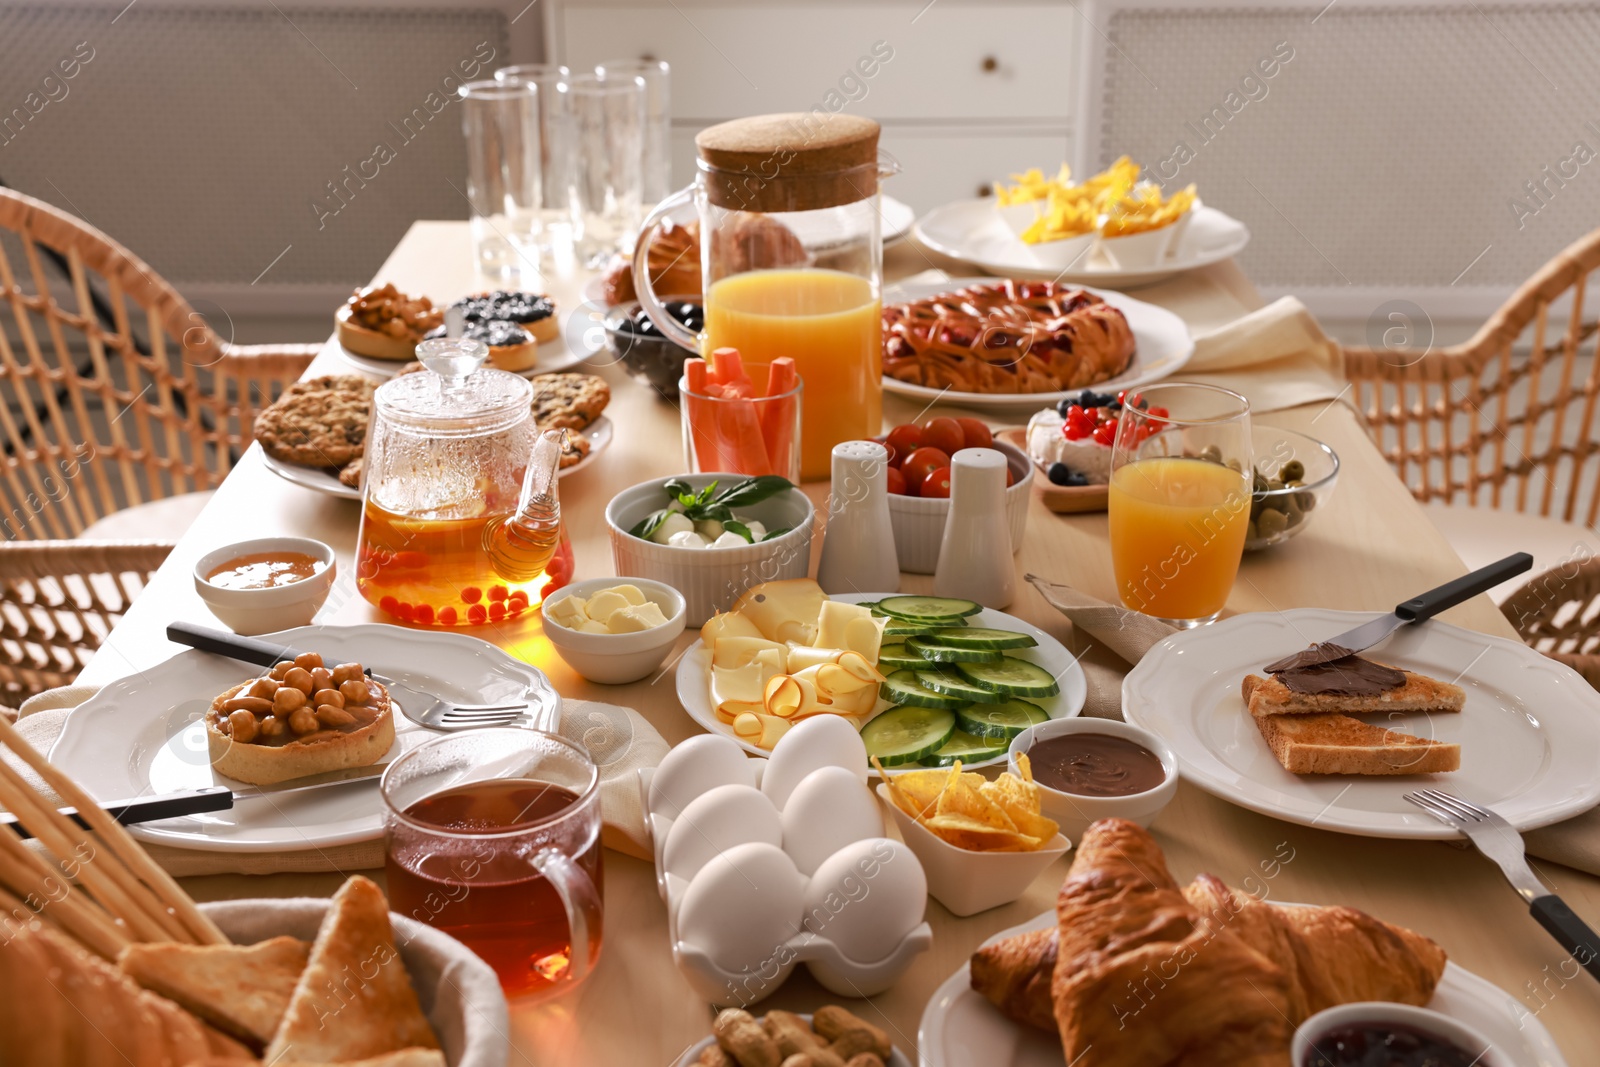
[828, 810]
[820, 741]
[866, 898]
[742, 908]
[697, 766]
[714, 822]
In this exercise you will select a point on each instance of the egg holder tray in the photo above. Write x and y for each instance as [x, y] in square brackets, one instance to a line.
[823, 956]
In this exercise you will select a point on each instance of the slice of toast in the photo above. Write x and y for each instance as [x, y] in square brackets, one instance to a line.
[1338, 744]
[354, 1000]
[1268, 696]
[242, 990]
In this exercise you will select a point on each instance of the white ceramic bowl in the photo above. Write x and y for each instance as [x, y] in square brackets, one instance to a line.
[1060, 254]
[1424, 1020]
[459, 993]
[918, 522]
[711, 579]
[265, 611]
[968, 882]
[1075, 812]
[1149, 249]
[612, 659]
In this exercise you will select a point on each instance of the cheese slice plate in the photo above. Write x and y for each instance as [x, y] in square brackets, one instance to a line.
[693, 674]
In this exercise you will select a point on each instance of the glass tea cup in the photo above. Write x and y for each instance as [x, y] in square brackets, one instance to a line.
[1179, 500]
[493, 836]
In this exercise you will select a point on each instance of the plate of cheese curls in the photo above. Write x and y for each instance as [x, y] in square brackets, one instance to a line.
[1133, 969]
[117, 964]
[1487, 718]
[1001, 343]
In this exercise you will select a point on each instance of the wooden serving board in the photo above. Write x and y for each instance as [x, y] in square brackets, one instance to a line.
[1062, 499]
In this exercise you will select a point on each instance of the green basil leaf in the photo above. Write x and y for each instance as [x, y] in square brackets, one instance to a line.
[649, 524]
[753, 490]
[739, 528]
[677, 487]
[720, 512]
[770, 534]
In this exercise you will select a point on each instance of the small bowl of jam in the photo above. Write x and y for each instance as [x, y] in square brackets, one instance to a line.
[266, 585]
[648, 353]
[1383, 1034]
[1091, 769]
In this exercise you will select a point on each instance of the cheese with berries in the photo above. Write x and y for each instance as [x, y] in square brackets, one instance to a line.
[1047, 444]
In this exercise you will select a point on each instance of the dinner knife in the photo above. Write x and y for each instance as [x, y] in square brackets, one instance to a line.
[1416, 609]
[145, 809]
[342, 776]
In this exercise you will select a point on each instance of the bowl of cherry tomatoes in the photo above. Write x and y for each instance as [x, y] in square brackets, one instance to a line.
[919, 484]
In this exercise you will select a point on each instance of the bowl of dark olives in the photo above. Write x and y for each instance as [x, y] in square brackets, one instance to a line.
[1293, 478]
[649, 354]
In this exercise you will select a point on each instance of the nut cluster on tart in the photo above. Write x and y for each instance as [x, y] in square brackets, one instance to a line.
[301, 717]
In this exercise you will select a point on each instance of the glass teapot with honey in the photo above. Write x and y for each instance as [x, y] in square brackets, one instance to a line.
[460, 520]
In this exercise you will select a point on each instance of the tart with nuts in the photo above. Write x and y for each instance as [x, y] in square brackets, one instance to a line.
[383, 323]
[299, 718]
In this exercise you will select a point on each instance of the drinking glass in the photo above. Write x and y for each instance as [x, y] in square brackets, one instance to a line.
[608, 121]
[493, 836]
[656, 180]
[501, 124]
[555, 208]
[1179, 500]
[754, 435]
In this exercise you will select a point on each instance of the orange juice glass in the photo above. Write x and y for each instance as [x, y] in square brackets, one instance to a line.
[1179, 500]
[831, 323]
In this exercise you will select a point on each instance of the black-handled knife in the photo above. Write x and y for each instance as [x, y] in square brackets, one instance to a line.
[146, 809]
[1416, 609]
[232, 645]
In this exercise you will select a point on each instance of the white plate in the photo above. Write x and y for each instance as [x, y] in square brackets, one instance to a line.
[694, 678]
[143, 735]
[600, 433]
[1162, 340]
[691, 1056]
[557, 355]
[972, 230]
[959, 1027]
[1528, 733]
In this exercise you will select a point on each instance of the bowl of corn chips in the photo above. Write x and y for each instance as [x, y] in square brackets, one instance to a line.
[981, 843]
[1062, 222]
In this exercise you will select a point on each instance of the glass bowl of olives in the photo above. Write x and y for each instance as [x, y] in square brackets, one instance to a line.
[1293, 477]
[647, 352]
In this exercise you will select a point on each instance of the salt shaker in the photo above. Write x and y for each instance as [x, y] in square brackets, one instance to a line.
[858, 554]
[975, 556]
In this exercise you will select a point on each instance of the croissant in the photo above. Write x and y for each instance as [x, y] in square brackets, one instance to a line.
[1225, 977]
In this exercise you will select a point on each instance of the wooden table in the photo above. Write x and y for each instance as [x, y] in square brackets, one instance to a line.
[1370, 545]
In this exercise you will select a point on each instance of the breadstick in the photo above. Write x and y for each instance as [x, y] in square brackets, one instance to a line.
[111, 833]
[23, 873]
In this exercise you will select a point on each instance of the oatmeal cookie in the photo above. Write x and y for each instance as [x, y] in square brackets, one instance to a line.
[350, 473]
[571, 401]
[319, 422]
[575, 449]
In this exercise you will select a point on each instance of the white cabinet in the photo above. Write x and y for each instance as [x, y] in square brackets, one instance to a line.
[967, 91]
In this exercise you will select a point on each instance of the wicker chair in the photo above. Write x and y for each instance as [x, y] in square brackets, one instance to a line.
[1505, 423]
[113, 393]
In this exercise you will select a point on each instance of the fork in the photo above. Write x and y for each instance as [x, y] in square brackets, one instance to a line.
[1500, 841]
[431, 711]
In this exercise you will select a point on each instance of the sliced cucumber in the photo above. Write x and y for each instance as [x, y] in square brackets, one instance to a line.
[1004, 720]
[905, 735]
[952, 684]
[937, 651]
[927, 607]
[1011, 676]
[901, 628]
[966, 748]
[902, 687]
[983, 637]
[896, 657]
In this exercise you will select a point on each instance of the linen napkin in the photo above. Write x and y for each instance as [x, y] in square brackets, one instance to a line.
[1121, 639]
[1276, 356]
[619, 740]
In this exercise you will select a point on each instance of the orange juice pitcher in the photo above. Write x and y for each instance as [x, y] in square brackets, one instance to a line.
[460, 519]
[791, 256]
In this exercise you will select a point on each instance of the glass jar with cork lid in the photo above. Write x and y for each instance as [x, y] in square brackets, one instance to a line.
[791, 258]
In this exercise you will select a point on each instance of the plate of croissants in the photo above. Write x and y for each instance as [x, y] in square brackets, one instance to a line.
[1003, 343]
[1134, 970]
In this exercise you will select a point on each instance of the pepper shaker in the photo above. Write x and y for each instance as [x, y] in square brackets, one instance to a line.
[975, 555]
[858, 553]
